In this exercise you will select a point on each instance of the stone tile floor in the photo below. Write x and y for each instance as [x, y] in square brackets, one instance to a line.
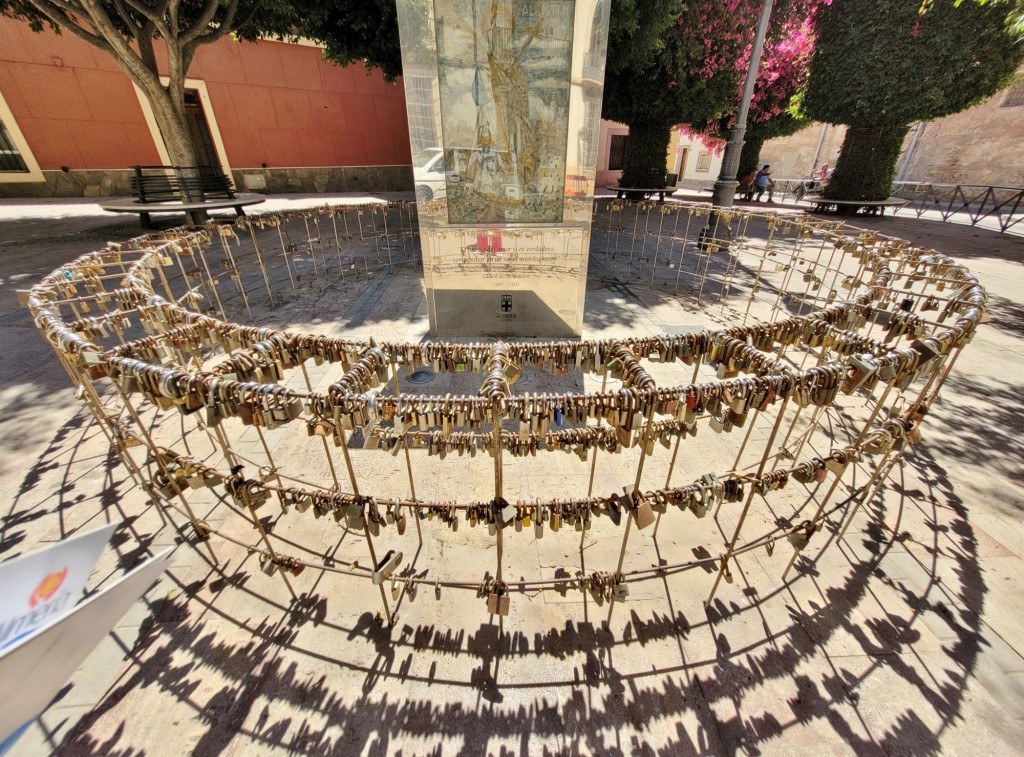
[874, 646]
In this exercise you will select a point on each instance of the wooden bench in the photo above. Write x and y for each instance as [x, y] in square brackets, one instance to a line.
[634, 193]
[174, 189]
[852, 207]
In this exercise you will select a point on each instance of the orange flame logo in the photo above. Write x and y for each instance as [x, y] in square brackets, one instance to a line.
[47, 588]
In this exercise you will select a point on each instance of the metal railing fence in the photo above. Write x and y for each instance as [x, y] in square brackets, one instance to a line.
[957, 203]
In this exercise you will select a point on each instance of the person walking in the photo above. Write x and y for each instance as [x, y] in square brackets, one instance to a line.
[764, 181]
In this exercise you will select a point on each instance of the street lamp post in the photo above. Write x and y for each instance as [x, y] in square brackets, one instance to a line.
[725, 186]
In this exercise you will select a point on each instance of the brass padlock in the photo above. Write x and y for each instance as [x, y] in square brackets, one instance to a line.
[644, 515]
[497, 604]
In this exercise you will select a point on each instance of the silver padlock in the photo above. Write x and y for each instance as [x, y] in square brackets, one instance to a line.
[387, 565]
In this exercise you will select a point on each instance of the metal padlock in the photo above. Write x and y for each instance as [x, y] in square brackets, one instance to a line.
[354, 517]
[387, 565]
[644, 515]
[887, 372]
[497, 604]
[863, 368]
[924, 348]
[508, 513]
[836, 467]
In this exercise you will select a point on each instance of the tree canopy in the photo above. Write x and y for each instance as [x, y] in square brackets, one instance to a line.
[775, 105]
[357, 30]
[675, 63]
[880, 65]
[883, 62]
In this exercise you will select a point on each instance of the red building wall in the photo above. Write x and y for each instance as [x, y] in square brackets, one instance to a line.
[73, 105]
[283, 105]
[276, 104]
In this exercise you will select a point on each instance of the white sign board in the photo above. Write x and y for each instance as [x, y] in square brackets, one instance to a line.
[38, 587]
[34, 669]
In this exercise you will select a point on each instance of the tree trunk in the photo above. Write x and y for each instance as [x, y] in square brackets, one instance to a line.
[749, 158]
[169, 112]
[646, 150]
[867, 163]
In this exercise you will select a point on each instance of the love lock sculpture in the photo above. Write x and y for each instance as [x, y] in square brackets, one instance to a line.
[213, 415]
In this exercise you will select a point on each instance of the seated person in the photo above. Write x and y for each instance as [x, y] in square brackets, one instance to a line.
[815, 183]
[746, 186]
[763, 181]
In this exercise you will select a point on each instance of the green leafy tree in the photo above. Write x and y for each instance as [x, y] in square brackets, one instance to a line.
[146, 37]
[880, 65]
[778, 90]
[364, 31]
[667, 64]
[683, 63]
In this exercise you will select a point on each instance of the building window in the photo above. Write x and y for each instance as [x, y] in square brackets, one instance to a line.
[1014, 95]
[617, 152]
[17, 163]
[10, 158]
[704, 162]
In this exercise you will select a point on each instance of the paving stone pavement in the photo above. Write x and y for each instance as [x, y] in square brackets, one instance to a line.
[875, 646]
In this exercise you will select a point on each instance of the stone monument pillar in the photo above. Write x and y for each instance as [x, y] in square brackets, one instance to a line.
[504, 102]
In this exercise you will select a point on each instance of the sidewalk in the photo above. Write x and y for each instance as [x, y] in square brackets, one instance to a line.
[885, 646]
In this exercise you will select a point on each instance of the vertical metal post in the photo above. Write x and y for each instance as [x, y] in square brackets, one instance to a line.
[273, 465]
[270, 548]
[95, 405]
[593, 463]
[259, 257]
[152, 446]
[499, 530]
[366, 528]
[323, 439]
[869, 492]
[668, 479]
[636, 490]
[725, 187]
[209, 278]
[746, 505]
[408, 457]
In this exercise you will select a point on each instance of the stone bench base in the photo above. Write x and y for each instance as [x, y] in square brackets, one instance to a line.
[630, 192]
[852, 207]
[145, 209]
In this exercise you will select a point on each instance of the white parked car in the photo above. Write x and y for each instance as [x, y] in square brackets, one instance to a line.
[428, 174]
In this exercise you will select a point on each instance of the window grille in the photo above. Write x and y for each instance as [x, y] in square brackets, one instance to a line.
[420, 92]
[617, 152]
[10, 159]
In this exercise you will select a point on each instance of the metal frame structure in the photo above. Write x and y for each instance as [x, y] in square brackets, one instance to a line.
[143, 331]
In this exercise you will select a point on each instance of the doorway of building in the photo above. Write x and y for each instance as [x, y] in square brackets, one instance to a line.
[199, 130]
[683, 154]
